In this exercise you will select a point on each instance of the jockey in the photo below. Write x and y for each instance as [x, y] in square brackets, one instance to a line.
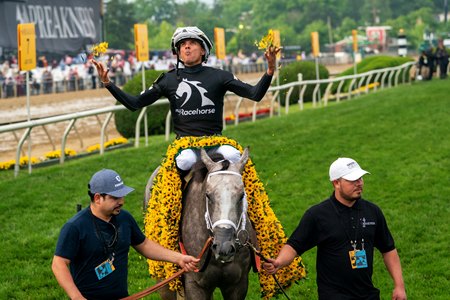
[195, 92]
[196, 95]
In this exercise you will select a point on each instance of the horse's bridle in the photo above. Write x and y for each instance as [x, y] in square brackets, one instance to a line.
[242, 219]
[241, 223]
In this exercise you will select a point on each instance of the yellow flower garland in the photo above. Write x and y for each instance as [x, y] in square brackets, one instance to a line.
[164, 212]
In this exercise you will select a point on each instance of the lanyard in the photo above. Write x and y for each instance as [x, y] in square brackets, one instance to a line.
[108, 247]
[352, 242]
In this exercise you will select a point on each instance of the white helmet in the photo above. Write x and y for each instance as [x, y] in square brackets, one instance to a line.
[182, 33]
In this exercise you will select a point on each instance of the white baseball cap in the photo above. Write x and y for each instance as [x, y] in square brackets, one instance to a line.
[346, 168]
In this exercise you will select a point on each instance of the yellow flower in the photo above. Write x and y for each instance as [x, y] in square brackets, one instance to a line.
[57, 153]
[164, 211]
[99, 49]
[6, 165]
[266, 41]
[93, 148]
[24, 160]
[107, 144]
[116, 141]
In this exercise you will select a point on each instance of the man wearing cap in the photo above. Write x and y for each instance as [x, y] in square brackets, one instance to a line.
[346, 229]
[91, 257]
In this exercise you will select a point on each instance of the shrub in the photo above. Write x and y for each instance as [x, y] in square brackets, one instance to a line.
[156, 114]
[372, 63]
[290, 73]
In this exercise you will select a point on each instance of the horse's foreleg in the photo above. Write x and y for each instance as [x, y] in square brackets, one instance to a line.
[236, 292]
[167, 294]
[195, 291]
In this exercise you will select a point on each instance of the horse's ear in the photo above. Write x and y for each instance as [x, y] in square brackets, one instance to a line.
[209, 163]
[243, 160]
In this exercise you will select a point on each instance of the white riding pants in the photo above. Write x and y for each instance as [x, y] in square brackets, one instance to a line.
[187, 157]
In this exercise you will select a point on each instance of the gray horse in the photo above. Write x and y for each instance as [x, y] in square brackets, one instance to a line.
[214, 204]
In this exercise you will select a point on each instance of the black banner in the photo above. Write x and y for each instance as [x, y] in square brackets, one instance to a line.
[62, 26]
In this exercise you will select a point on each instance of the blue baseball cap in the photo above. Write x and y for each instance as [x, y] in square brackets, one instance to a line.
[109, 182]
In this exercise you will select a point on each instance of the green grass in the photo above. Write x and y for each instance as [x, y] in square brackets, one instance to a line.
[400, 135]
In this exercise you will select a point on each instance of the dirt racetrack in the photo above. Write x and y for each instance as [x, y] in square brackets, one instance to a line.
[86, 131]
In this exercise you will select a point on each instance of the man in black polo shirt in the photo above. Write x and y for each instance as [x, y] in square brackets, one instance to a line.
[91, 257]
[346, 229]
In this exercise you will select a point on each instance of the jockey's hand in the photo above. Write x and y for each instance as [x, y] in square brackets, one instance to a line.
[102, 71]
[271, 56]
[189, 263]
[271, 266]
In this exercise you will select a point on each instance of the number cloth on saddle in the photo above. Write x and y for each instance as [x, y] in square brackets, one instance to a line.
[164, 211]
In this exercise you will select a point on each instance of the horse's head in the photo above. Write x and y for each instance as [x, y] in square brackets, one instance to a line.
[226, 204]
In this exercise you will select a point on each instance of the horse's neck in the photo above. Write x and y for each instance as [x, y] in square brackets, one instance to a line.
[193, 228]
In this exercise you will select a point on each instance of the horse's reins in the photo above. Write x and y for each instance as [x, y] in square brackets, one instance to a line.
[258, 253]
[159, 285]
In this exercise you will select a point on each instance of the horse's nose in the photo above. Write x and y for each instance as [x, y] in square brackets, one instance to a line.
[223, 245]
[228, 249]
[215, 246]
[224, 251]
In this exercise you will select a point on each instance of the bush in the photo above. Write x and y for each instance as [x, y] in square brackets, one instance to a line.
[290, 73]
[156, 114]
[372, 63]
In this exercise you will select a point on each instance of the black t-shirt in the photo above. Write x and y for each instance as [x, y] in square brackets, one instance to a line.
[196, 97]
[82, 241]
[331, 226]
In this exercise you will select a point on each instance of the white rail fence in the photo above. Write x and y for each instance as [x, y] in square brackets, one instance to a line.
[359, 83]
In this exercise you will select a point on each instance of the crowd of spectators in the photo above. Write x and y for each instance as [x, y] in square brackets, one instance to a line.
[56, 76]
[432, 61]
[74, 73]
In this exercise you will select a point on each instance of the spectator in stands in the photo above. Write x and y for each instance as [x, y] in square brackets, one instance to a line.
[2, 86]
[73, 78]
[6, 69]
[20, 84]
[47, 80]
[92, 75]
[441, 56]
[58, 79]
[9, 87]
[42, 62]
[68, 60]
[35, 84]
[426, 64]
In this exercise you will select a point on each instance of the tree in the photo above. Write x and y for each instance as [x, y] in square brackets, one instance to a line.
[119, 23]
[156, 10]
[245, 21]
[415, 24]
[345, 29]
[305, 37]
[161, 36]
